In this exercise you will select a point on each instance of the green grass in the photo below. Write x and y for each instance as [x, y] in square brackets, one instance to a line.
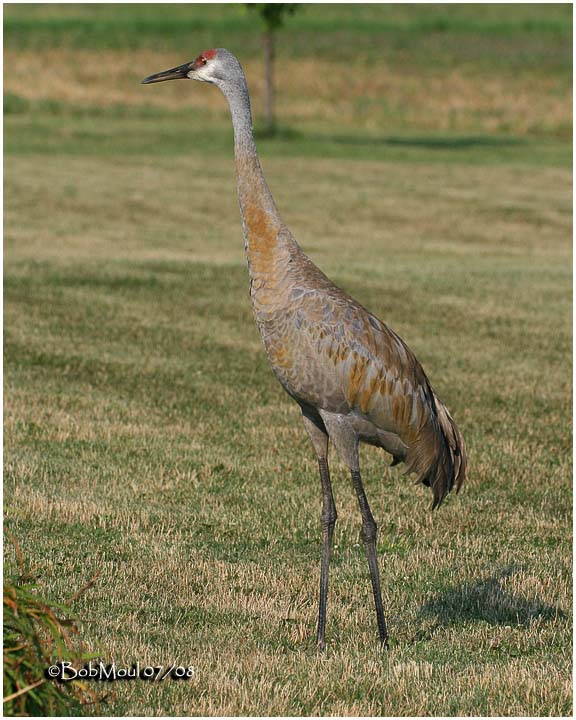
[147, 440]
[124, 133]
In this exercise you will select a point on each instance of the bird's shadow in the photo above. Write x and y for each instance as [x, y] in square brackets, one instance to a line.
[485, 600]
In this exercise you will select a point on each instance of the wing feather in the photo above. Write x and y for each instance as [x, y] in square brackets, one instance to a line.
[381, 380]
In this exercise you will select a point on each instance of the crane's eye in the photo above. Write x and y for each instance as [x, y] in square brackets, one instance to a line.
[203, 60]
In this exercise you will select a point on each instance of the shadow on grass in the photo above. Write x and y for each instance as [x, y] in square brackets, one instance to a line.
[449, 142]
[490, 601]
[430, 143]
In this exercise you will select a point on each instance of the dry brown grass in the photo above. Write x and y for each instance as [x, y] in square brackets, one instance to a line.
[374, 97]
[122, 459]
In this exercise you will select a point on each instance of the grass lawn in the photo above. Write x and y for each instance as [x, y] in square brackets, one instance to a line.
[424, 165]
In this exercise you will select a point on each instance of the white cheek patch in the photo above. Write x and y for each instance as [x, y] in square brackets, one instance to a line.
[200, 74]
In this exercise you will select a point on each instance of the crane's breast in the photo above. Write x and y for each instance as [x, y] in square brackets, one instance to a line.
[292, 334]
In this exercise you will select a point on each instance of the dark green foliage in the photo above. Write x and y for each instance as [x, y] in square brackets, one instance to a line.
[273, 15]
[38, 633]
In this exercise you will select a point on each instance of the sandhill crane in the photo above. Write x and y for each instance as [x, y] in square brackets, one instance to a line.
[354, 379]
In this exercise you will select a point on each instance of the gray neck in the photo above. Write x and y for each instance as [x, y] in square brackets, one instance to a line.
[253, 192]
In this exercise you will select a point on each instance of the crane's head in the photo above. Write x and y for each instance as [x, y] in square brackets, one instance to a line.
[214, 66]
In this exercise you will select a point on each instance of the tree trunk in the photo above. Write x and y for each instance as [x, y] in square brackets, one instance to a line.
[268, 42]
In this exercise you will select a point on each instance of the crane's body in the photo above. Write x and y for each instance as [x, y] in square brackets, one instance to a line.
[334, 357]
[353, 377]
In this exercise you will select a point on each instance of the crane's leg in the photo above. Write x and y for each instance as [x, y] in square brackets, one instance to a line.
[345, 440]
[368, 535]
[319, 437]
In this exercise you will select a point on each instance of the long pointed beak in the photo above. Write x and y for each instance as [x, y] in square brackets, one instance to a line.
[177, 73]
